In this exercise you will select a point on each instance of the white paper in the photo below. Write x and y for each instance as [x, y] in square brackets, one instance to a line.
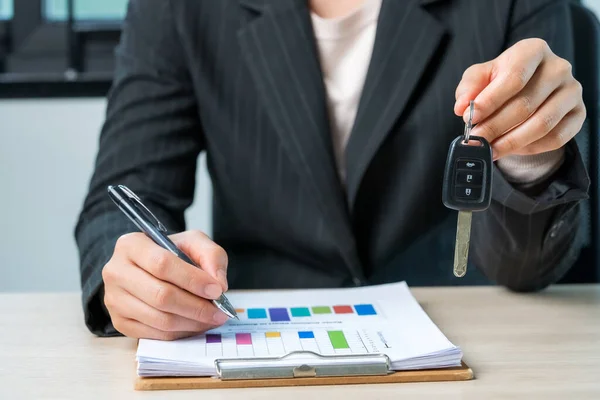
[384, 319]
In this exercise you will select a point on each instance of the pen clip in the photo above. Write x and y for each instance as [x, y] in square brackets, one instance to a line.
[142, 208]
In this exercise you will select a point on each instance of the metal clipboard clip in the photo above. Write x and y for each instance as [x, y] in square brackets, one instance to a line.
[303, 364]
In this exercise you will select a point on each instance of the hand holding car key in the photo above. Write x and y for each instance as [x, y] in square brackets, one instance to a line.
[467, 186]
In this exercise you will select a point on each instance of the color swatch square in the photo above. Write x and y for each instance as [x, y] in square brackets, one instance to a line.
[213, 338]
[321, 310]
[365, 309]
[306, 335]
[279, 314]
[338, 340]
[243, 338]
[343, 310]
[300, 312]
[257, 313]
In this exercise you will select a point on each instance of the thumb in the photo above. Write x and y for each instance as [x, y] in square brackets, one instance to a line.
[473, 81]
[208, 255]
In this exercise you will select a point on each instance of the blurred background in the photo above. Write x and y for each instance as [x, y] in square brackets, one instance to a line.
[56, 58]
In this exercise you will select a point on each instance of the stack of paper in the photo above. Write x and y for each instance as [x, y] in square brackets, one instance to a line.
[383, 319]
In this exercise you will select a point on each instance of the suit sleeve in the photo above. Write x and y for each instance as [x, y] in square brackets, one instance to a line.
[150, 142]
[528, 238]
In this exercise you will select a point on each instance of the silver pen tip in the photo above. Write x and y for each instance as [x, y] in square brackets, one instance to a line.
[224, 305]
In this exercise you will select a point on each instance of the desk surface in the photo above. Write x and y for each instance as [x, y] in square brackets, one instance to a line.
[545, 345]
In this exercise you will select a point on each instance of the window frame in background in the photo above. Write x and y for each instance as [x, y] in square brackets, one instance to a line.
[42, 58]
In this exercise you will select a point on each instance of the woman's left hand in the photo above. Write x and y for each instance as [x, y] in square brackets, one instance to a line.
[526, 100]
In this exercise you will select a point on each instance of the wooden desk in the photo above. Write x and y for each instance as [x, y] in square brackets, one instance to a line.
[545, 345]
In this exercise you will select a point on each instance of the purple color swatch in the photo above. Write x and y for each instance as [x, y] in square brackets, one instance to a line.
[279, 314]
[213, 338]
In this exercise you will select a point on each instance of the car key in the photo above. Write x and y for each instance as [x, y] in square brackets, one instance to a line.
[467, 187]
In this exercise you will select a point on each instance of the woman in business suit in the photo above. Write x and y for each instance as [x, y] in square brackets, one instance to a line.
[326, 125]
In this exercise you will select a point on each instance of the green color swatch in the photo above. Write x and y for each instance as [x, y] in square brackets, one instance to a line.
[321, 310]
[338, 340]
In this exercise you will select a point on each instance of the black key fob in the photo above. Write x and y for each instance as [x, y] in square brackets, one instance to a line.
[468, 175]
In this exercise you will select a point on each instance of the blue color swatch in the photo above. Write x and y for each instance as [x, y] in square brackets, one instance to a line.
[257, 313]
[306, 335]
[365, 309]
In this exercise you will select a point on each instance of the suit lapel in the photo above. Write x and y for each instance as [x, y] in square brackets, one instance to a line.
[279, 48]
[406, 39]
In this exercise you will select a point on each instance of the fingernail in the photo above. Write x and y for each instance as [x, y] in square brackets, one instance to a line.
[213, 291]
[220, 318]
[222, 276]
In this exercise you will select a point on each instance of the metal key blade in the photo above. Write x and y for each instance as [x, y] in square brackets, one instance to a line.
[463, 237]
[469, 124]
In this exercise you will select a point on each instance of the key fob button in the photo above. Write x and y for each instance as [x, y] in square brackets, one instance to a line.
[468, 193]
[469, 178]
[471, 165]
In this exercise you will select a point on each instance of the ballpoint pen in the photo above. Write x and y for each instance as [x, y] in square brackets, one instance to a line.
[142, 217]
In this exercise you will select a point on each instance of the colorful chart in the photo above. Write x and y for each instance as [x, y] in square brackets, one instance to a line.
[277, 343]
[282, 314]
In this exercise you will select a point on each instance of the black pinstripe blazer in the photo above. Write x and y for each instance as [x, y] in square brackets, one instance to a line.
[240, 79]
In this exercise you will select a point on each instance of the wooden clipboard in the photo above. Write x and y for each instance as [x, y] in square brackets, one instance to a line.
[462, 373]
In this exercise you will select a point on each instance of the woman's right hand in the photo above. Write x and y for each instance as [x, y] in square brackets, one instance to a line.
[151, 293]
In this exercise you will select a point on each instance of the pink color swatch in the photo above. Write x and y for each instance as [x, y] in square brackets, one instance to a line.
[243, 338]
